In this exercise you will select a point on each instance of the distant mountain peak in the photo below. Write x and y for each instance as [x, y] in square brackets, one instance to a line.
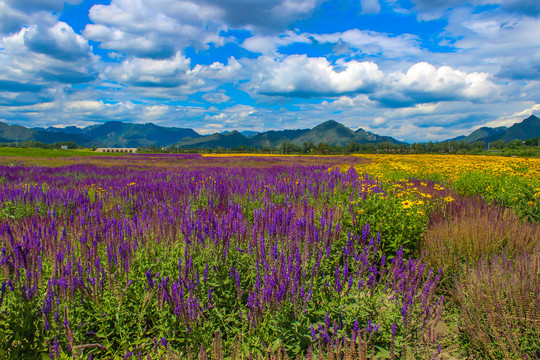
[526, 129]
[531, 118]
[330, 124]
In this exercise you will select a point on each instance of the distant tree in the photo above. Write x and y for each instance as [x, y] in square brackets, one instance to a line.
[386, 146]
[352, 147]
[403, 148]
[499, 144]
[533, 142]
[514, 144]
[368, 148]
[307, 147]
[419, 148]
[322, 148]
[478, 145]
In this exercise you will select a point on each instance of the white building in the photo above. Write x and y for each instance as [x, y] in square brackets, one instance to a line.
[117, 150]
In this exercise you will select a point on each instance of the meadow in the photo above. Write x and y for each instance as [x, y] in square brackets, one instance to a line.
[269, 257]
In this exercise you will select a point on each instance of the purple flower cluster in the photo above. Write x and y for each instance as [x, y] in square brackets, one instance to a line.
[253, 242]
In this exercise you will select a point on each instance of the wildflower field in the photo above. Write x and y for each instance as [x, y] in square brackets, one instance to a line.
[269, 257]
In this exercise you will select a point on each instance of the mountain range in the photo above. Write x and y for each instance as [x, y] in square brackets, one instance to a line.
[527, 129]
[120, 134]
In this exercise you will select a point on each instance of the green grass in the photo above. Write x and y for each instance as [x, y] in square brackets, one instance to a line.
[50, 153]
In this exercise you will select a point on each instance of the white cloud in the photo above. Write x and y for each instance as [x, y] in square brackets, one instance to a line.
[216, 97]
[269, 44]
[153, 112]
[219, 71]
[169, 78]
[373, 43]
[40, 61]
[425, 83]
[155, 29]
[58, 41]
[85, 106]
[14, 14]
[168, 73]
[160, 28]
[354, 41]
[301, 76]
[370, 6]
[518, 116]
[263, 44]
[263, 14]
[236, 117]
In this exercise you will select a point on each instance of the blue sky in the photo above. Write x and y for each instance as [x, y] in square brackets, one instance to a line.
[417, 70]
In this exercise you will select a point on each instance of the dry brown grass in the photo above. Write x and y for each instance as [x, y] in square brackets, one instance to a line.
[471, 230]
[499, 301]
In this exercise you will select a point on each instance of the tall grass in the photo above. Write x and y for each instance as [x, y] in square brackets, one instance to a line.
[499, 301]
[471, 229]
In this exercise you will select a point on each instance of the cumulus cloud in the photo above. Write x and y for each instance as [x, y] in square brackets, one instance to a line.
[16, 13]
[11, 20]
[168, 73]
[354, 41]
[32, 74]
[158, 29]
[84, 106]
[373, 43]
[521, 68]
[237, 117]
[424, 83]
[263, 14]
[370, 6]
[219, 71]
[216, 97]
[23, 98]
[302, 76]
[83, 109]
[171, 78]
[270, 43]
[59, 42]
[501, 41]
[150, 45]
[155, 29]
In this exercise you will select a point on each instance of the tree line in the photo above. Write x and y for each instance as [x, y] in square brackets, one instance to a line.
[530, 147]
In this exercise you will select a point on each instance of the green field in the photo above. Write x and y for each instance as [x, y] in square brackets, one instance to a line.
[50, 153]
